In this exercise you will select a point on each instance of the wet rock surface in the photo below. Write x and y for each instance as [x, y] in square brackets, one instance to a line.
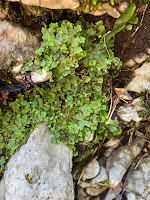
[39, 170]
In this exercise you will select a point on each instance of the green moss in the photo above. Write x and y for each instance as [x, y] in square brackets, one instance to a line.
[74, 104]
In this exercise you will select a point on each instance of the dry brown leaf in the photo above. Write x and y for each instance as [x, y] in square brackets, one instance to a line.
[122, 93]
[5, 95]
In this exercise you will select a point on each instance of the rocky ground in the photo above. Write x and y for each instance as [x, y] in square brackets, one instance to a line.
[123, 171]
[119, 168]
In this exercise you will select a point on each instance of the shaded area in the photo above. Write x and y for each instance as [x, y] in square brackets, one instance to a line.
[126, 46]
[6, 87]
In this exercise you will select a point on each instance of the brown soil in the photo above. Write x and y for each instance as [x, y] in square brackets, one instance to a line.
[128, 46]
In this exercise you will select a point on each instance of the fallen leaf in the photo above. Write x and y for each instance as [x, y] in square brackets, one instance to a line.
[122, 93]
[5, 95]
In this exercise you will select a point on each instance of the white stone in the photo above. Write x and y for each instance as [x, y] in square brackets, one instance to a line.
[17, 69]
[49, 166]
[144, 70]
[106, 8]
[110, 10]
[89, 138]
[141, 58]
[37, 78]
[148, 50]
[19, 78]
[129, 63]
[84, 184]
[82, 195]
[31, 2]
[112, 142]
[91, 170]
[123, 6]
[97, 12]
[139, 84]
[115, 178]
[102, 176]
[60, 4]
[131, 196]
[112, 193]
[129, 113]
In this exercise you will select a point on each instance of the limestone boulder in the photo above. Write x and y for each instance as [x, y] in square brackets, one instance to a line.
[40, 170]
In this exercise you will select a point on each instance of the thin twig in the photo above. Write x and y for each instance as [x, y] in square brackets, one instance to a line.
[131, 131]
[114, 107]
[94, 159]
[105, 42]
[7, 14]
[81, 175]
[141, 20]
[106, 97]
[94, 151]
[102, 141]
[137, 164]
[111, 102]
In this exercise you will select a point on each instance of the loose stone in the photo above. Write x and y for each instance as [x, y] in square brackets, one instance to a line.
[141, 58]
[123, 6]
[91, 170]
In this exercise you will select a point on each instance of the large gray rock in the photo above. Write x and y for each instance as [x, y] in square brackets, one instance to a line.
[2, 189]
[16, 44]
[40, 170]
[138, 183]
[53, 4]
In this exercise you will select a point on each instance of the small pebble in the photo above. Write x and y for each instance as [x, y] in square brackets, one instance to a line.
[91, 170]
[141, 58]
[123, 6]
